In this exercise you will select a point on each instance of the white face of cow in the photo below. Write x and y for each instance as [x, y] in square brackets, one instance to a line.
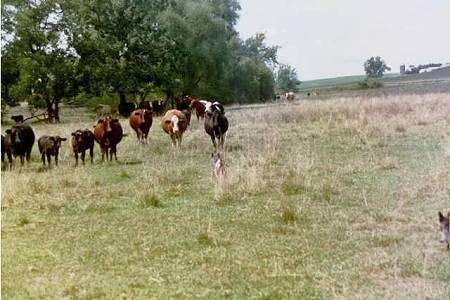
[174, 121]
[208, 107]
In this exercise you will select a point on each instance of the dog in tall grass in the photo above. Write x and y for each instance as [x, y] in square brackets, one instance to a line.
[218, 168]
[444, 227]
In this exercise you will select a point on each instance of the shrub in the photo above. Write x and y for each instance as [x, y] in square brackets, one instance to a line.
[90, 101]
[288, 215]
[370, 83]
[150, 200]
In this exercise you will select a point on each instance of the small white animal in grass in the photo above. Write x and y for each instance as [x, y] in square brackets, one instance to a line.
[218, 166]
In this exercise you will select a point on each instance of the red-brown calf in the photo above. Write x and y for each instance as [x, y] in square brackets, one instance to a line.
[108, 133]
[141, 120]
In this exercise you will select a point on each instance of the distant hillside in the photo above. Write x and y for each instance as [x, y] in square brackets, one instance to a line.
[349, 82]
[341, 82]
[330, 82]
[436, 81]
[442, 73]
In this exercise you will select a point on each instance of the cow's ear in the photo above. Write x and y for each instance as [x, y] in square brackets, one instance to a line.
[8, 131]
[100, 121]
[168, 121]
[62, 139]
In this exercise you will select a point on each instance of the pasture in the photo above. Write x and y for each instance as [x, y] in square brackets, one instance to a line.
[323, 199]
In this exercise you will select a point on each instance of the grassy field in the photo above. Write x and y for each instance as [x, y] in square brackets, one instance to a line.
[331, 82]
[322, 199]
[437, 81]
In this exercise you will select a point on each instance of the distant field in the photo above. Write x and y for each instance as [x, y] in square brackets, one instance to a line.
[330, 82]
[343, 81]
[431, 82]
[323, 199]
[434, 81]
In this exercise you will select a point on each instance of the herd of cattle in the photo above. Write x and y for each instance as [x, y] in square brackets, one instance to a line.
[108, 132]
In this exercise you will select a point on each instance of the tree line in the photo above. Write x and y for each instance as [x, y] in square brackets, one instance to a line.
[54, 50]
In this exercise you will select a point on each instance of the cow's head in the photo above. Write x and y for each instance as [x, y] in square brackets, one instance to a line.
[77, 138]
[15, 134]
[17, 118]
[444, 227]
[107, 124]
[57, 141]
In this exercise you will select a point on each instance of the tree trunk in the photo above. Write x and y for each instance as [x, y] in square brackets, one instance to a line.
[170, 98]
[122, 97]
[50, 111]
[56, 110]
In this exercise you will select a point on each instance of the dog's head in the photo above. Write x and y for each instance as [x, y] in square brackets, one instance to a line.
[444, 227]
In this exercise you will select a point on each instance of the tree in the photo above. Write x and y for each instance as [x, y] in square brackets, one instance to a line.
[375, 67]
[55, 49]
[118, 44]
[44, 64]
[287, 79]
[250, 74]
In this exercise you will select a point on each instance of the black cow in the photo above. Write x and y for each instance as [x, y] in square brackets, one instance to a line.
[83, 140]
[17, 118]
[22, 140]
[216, 124]
[126, 108]
[158, 107]
[145, 104]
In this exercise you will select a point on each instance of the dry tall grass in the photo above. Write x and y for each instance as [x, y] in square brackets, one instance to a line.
[323, 199]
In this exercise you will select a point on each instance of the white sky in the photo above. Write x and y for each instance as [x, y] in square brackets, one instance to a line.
[328, 38]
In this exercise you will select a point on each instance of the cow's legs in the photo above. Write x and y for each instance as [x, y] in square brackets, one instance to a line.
[91, 153]
[213, 139]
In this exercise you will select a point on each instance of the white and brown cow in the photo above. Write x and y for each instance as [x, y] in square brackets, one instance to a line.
[290, 96]
[174, 123]
[216, 124]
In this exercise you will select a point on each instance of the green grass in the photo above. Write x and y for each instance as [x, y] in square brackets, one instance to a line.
[331, 82]
[325, 199]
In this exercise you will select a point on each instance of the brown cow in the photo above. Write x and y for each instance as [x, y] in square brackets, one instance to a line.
[48, 146]
[174, 123]
[141, 120]
[83, 140]
[108, 133]
[184, 105]
[199, 109]
[7, 148]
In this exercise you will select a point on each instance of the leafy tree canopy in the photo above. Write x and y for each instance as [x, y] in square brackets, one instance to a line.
[62, 48]
[287, 79]
[375, 67]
